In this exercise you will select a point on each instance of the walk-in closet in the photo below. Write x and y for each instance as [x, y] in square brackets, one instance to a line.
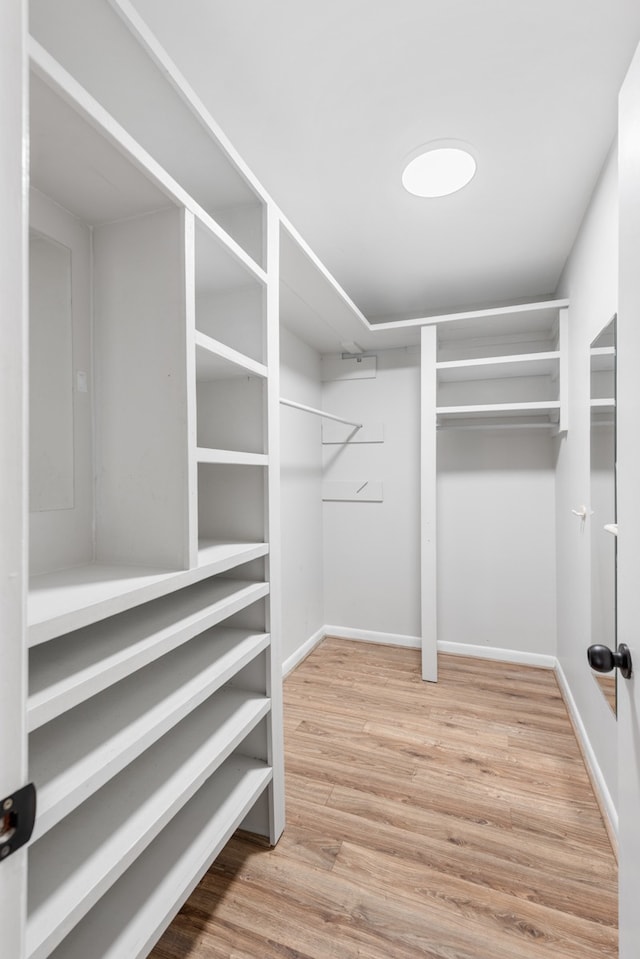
[318, 585]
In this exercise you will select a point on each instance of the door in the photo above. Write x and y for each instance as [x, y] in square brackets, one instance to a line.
[13, 766]
[628, 420]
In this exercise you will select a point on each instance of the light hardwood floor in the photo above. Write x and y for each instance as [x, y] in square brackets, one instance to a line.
[424, 821]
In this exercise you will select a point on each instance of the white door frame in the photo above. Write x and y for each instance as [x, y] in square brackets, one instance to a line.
[628, 479]
[13, 472]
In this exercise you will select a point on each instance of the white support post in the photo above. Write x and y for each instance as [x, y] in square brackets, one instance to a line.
[273, 564]
[428, 386]
[188, 235]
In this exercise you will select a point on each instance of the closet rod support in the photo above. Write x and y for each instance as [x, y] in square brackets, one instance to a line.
[326, 416]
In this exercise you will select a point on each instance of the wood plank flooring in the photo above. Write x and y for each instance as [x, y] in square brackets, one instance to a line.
[424, 821]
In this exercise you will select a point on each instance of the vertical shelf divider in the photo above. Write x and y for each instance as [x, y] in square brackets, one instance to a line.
[272, 532]
[188, 234]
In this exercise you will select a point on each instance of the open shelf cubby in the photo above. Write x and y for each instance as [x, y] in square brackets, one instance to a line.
[146, 87]
[231, 500]
[125, 374]
[230, 302]
[230, 414]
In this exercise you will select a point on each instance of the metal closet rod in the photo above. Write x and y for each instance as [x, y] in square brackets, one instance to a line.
[326, 416]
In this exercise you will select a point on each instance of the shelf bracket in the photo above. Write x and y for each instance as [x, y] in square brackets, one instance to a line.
[17, 819]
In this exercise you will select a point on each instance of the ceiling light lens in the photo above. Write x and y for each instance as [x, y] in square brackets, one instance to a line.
[439, 172]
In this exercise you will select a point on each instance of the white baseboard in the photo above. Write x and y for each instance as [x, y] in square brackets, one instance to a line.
[303, 651]
[370, 636]
[501, 655]
[607, 806]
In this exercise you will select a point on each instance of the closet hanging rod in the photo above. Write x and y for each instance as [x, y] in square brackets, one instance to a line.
[326, 416]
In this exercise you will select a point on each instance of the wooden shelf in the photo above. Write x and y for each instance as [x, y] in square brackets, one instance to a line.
[231, 457]
[77, 862]
[500, 367]
[131, 916]
[76, 754]
[216, 361]
[66, 672]
[69, 599]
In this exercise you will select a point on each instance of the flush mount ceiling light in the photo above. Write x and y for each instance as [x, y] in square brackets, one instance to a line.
[438, 170]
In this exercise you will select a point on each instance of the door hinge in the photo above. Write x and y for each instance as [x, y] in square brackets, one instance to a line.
[17, 819]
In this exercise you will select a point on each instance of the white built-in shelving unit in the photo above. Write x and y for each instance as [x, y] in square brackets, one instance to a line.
[154, 704]
[502, 369]
[154, 708]
[506, 370]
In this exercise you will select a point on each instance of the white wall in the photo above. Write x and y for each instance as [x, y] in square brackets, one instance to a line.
[372, 550]
[301, 479]
[496, 539]
[496, 513]
[590, 280]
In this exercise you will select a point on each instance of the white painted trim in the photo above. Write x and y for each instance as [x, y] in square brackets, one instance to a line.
[371, 636]
[273, 565]
[552, 304]
[321, 268]
[303, 651]
[14, 259]
[605, 801]
[541, 660]
[165, 64]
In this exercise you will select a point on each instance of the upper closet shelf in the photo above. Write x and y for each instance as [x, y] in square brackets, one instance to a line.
[69, 599]
[550, 408]
[88, 163]
[215, 360]
[500, 367]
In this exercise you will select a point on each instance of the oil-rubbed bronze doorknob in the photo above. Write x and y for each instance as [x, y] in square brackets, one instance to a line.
[603, 659]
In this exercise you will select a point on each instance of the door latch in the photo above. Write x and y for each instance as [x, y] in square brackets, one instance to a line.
[17, 819]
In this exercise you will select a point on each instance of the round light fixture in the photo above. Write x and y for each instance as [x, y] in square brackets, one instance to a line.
[438, 171]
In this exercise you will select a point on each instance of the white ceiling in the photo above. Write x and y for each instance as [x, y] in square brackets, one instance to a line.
[324, 100]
